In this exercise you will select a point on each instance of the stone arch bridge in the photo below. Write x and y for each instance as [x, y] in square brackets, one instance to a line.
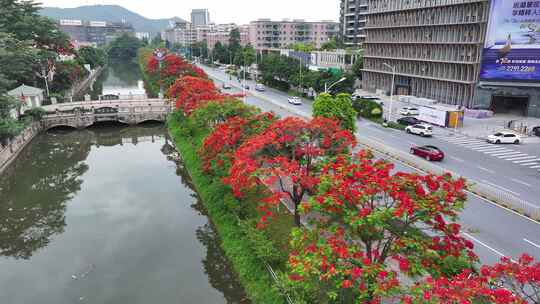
[86, 113]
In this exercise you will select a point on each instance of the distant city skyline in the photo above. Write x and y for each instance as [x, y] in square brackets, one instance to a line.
[220, 11]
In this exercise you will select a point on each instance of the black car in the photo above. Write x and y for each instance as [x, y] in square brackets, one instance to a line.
[408, 121]
[536, 131]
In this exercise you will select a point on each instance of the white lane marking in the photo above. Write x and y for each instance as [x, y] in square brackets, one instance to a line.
[521, 158]
[526, 161]
[506, 154]
[483, 244]
[520, 182]
[535, 245]
[501, 188]
[512, 156]
[457, 159]
[464, 141]
[485, 169]
[478, 144]
[535, 167]
[530, 164]
[498, 151]
[492, 149]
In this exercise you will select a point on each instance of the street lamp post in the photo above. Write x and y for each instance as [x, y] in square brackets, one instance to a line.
[327, 88]
[393, 68]
[160, 54]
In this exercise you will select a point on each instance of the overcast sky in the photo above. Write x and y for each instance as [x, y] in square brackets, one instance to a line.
[222, 11]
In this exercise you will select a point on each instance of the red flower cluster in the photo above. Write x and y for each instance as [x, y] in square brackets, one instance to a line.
[285, 157]
[506, 282]
[191, 92]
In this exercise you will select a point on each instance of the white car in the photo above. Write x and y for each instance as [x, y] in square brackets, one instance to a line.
[409, 111]
[295, 101]
[420, 129]
[504, 138]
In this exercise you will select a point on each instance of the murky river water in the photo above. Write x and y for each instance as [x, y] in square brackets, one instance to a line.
[105, 215]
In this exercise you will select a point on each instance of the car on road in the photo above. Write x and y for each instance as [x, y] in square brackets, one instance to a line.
[245, 86]
[409, 111]
[504, 137]
[420, 129]
[295, 101]
[260, 87]
[226, 86]
[536, 131]
[409, 121]
[428, 152]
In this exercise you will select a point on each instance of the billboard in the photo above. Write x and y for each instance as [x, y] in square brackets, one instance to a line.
[512, 48]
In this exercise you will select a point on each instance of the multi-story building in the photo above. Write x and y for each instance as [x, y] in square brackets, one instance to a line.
[94, 32]
[435, 47]
[180, 32]
[352, 22]
[265, 34]
[221, 33]
[200, 17]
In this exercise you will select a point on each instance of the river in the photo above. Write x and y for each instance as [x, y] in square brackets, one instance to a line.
[107, 215]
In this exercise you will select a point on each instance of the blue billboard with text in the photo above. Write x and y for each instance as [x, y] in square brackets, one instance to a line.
[512, 48]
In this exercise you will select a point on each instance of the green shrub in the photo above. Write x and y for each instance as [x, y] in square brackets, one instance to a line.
[236, 242]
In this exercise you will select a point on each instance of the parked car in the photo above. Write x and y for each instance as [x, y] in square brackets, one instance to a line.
[428, 152]
[260, 87]
[245, 86]
[504, 137]
[408, 121]
[536, 131]
[407, 111]
[295, 101]
[226, 86]
[420, 129]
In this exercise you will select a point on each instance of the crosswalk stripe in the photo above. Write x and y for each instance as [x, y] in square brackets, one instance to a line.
[473, 146]
[529, 164]
[512, 155]
[472, 143]
[520, 157]
[494, 150]
[506, 154]
[526, 161]
[482, 147]
[499, 151]
[464, 141]
[457, 139]
[534, 167]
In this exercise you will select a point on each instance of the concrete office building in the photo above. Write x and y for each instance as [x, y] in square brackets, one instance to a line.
[179, 33]
[200, 17]
[352, 22]
[267, 34]
[434, 45]
[94, 32]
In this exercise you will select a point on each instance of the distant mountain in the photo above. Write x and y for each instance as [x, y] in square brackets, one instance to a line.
[111, 13]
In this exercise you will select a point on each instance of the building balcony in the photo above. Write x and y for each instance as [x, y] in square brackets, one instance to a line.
[420, 59]
[396, 25]
[419, 42]
[418, 76]
[421, 6]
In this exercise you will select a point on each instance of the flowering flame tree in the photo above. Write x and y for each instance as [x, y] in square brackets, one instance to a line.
[370, 219]
[287, 157]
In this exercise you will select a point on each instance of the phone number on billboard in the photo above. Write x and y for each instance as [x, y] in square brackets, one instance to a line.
[520, 68]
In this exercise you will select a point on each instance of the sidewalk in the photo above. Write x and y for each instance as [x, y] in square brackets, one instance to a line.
[478, 128]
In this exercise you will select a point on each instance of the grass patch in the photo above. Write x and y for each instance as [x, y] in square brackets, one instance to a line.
[216, 197]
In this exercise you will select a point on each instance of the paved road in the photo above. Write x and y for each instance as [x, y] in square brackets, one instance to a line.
[510, 168]
[495, 231]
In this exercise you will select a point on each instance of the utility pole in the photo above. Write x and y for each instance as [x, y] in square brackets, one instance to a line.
[393, 68]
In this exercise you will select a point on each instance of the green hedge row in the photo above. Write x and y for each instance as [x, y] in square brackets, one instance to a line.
[252, 274]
